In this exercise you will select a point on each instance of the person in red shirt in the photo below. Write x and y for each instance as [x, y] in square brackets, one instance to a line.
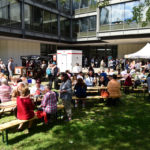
[25, 107]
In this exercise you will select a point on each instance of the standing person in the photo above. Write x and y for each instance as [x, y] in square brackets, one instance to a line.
[49, 102]
[96, 62]
[56, 73]
[92, 62]
[66, 94]
[43, 67]
[10, 67]
[2, 66]
[49, 72]
[85, 62]
[102, 64]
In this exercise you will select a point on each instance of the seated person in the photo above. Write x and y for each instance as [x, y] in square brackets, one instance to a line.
[24, 78]
[49, 102]
[38, 89]
[80, 91]
[5, 91]
[128, 80]
[90, 80]
[103, 81]
[104, 74]
[113, 89]
[25, 106]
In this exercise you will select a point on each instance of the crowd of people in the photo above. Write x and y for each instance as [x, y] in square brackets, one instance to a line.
[69, 84]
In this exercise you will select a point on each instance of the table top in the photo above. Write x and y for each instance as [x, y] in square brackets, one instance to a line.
[8, 104]
[96, 88]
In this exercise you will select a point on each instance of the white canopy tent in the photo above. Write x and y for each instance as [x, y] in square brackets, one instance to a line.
[143, 53]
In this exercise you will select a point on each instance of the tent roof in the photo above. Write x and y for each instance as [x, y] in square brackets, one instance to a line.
[143, 53]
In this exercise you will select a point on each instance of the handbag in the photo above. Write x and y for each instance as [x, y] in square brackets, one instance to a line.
[104, 94]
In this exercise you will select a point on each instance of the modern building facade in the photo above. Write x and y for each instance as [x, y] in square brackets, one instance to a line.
[34, 27]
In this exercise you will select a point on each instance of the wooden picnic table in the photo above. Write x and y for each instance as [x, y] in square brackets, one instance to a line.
[87, 98]
[9, 104]
[97, 88]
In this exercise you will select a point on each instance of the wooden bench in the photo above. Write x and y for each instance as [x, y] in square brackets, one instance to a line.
[4, 127]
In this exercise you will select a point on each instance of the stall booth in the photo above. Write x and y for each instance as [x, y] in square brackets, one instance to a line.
[67, 59]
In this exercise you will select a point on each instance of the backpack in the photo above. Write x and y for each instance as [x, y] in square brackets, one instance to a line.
[48, 71]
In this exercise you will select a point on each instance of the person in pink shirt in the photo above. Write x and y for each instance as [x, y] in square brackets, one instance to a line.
[5, 91]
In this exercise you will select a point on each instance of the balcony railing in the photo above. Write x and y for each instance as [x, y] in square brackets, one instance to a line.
[84, 34]
[123, 26]
[85, 10]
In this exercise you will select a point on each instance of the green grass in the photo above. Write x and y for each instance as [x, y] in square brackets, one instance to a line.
[97, 127]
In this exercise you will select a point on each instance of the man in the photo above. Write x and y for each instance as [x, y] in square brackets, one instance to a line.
[10, 67]
[49, 102]
[38, 89]
[56, 72]
[90, 80]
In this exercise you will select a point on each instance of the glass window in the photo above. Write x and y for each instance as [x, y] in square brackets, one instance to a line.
[27, 15]
[84, 3]
[65, 27]
[117, 13]
[65, 6]
[129, 9]
[54, 24]
[128, 21]
[117, 16]
[105, 18]
[15, 14]
[84, 25]
[76, 4]
[92, 23]
[4, 15]
[105, 15]
[75, 28]
[37, 19]
[46, 22]
[93, 2]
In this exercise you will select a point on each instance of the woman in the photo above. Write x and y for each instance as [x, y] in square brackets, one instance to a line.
[5, 91]
[113, 89]
[80, 91]
[66, 94]
[74, 80]
[25, 106]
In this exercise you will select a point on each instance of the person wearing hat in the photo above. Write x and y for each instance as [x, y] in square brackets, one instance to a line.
[38, 89]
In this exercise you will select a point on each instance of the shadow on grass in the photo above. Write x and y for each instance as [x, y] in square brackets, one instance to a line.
[96, 127]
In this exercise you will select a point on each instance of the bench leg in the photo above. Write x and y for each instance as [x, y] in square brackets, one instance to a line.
[5, 136]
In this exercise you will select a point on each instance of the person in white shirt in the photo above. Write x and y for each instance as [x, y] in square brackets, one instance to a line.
[38, 89]
[76, 68]
[90, 80]
[10, 67]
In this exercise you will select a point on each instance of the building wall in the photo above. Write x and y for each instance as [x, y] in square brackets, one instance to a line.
[124, 49]
[17, 48]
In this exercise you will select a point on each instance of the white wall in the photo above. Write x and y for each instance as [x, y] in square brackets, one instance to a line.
[17, 48]
[124, 49]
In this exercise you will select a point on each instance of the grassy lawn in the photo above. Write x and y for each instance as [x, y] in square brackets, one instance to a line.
[97, 127]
